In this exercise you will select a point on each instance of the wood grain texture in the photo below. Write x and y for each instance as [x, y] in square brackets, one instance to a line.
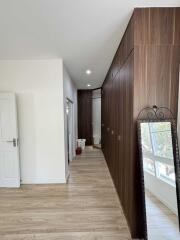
[161, 26]
[177, 26]
[147, 73]
[156, 26]
[156, 77]
[117, 140]
[86, 208]
[85, 116]
[141, 26]
[175, 68]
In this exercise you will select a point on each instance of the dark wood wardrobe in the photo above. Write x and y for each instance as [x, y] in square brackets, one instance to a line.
[85, 130]
[144, 72]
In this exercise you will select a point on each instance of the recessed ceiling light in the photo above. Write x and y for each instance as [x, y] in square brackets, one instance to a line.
[88, 72]
[88, 85]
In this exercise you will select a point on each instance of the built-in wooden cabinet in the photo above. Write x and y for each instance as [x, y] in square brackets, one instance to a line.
[85, 130]
[144, 72]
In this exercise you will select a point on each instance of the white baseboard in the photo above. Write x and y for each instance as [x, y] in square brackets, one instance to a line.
[11, 184]
[43, 181]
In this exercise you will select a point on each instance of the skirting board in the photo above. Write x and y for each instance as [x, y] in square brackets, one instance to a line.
[43, 181]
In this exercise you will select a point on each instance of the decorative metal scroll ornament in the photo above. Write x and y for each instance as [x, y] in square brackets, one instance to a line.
[155, 113]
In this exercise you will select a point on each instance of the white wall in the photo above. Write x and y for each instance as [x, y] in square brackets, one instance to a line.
[96, 105]
[70, 92]
[165, 192]
[38, 85]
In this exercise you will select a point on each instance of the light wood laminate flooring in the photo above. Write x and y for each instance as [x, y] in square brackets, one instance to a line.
[87, 208]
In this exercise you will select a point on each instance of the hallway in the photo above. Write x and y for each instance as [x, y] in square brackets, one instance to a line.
[87, 208]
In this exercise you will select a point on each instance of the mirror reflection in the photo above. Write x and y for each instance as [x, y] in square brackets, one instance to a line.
[159, 181]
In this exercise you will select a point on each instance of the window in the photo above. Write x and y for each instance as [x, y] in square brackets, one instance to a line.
[148, 161]
[157, 150]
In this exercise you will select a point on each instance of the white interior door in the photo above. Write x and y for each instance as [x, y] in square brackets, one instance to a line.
[9, 150]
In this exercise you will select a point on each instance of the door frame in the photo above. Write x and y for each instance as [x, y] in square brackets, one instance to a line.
[72, 129]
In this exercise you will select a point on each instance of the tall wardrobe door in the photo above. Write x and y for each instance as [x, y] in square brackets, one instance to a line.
[127, 178]
[85, 115]
[122, 135]
[107, 121]
[110, 127]
[102, 117]
[116, 102]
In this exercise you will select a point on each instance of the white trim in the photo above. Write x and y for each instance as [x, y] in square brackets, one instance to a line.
[43, 181]
[15, 184]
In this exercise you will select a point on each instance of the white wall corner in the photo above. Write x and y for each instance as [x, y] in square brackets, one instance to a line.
[38, 85]
[70, 92]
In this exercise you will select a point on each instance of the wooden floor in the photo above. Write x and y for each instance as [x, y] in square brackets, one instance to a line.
[162, 222]
[87, 208]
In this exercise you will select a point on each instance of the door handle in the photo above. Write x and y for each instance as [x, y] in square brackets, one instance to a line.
[12, 141]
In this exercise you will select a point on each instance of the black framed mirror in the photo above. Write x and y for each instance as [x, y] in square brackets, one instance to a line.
[160, 173]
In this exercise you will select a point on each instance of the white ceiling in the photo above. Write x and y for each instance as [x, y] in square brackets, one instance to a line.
[85, 33]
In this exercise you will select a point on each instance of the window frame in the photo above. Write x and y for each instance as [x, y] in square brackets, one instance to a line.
[158, 159]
